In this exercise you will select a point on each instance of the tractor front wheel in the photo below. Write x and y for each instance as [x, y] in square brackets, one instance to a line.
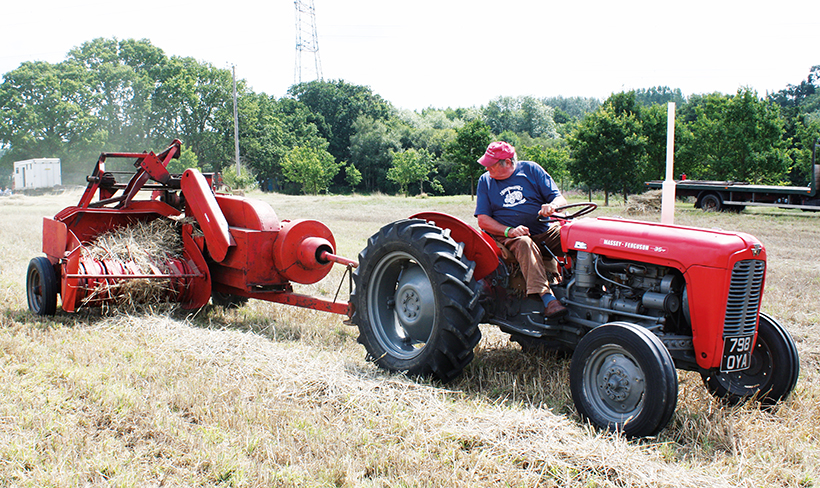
[416, 302]
[42, 287]
[772, 375]
[622, 378]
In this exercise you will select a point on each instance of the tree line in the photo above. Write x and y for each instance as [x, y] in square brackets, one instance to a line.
[333, 136]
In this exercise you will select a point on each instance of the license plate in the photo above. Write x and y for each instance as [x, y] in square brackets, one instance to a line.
[737, 352]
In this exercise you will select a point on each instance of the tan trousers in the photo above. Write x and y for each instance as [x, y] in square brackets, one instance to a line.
[526, 252]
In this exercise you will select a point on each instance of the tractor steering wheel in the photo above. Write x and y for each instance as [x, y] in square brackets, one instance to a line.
[586, 207]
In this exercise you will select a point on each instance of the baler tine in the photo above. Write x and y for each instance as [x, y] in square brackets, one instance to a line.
[243, 249]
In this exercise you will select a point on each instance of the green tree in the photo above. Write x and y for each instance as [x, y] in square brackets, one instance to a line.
[340, 104]
[410, 166]
[470, 143]
[44, 114]
[119, 75]
[739, 138]
[263, 139]
[269, 129]
[313, 168]
[244, 180]
[187, 159]
[609, 148]
[654, 120]
[659, 95]
[431, 129]
[554, 160]
[521, 114]
[807, 133]
[799, 108]
[573, 108]
[371, 146]
[352, 176]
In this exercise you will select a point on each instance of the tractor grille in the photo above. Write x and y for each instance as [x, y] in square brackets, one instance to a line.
[744, 298]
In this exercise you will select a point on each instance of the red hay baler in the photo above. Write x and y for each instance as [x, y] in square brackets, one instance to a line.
[234, 247]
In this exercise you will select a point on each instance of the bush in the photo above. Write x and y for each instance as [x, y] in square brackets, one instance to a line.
[245, 180]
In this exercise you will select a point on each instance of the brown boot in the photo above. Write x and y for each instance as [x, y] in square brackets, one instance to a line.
[555, 310]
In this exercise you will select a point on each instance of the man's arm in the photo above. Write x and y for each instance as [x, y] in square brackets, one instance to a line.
[493, 227]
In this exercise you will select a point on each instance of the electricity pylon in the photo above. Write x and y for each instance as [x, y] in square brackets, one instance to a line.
[307, 43]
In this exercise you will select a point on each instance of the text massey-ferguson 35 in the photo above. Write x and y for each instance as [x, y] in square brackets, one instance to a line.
[643, 298]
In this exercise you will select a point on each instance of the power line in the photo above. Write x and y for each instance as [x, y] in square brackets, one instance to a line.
[307, 43]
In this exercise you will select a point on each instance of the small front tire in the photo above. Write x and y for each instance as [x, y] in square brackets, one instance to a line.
[623, 379]
[772, 375]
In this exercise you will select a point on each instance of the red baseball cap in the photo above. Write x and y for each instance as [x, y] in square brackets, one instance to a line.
[496, 151]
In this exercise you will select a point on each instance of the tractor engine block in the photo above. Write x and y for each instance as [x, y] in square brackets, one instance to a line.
[608, 290]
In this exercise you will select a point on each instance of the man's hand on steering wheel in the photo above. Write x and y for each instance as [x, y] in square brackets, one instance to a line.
[559, 214]
[547, 209]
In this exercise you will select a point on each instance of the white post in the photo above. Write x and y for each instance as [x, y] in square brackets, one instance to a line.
[235, 123]
[668, 186]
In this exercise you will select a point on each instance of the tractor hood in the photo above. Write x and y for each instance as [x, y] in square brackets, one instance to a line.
[669, 245]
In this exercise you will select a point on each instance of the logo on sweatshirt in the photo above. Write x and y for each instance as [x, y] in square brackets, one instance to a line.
[513, 196]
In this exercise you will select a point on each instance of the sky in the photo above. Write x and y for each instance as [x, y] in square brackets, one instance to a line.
[452, 53]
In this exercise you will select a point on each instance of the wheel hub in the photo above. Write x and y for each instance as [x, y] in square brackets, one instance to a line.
[409, 305]
[616, 384]
[621, 383]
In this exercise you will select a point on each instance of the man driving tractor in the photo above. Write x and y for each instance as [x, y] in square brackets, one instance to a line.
[510, 199]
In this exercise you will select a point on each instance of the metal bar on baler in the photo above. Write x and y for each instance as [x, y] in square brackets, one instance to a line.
[133, 276]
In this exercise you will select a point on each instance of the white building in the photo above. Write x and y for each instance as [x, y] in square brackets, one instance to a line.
[37, 173]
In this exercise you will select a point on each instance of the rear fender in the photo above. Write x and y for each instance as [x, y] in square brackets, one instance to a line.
[478, 246]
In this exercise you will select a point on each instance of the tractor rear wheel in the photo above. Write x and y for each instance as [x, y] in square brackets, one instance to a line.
[622, 378]
[416, 302]
[775, 366]
[41, 287]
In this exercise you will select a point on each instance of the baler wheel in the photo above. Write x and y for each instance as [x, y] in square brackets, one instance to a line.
[622, 378]
[416, 301]
[226, 300]
[775, 366]
[41, 287]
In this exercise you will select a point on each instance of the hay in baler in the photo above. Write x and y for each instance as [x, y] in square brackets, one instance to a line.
[146, 248]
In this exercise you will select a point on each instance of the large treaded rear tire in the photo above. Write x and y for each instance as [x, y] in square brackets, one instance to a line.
[415, 301]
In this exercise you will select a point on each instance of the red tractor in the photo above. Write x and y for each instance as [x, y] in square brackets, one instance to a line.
[643, 298]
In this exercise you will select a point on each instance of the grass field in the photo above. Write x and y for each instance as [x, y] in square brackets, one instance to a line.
[271, 395]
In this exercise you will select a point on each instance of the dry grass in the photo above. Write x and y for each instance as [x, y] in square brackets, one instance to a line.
[270, 395]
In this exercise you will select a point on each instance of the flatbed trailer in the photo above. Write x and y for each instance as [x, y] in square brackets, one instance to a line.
[735, 196]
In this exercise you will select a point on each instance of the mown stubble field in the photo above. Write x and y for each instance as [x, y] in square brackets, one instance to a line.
[270, 395]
